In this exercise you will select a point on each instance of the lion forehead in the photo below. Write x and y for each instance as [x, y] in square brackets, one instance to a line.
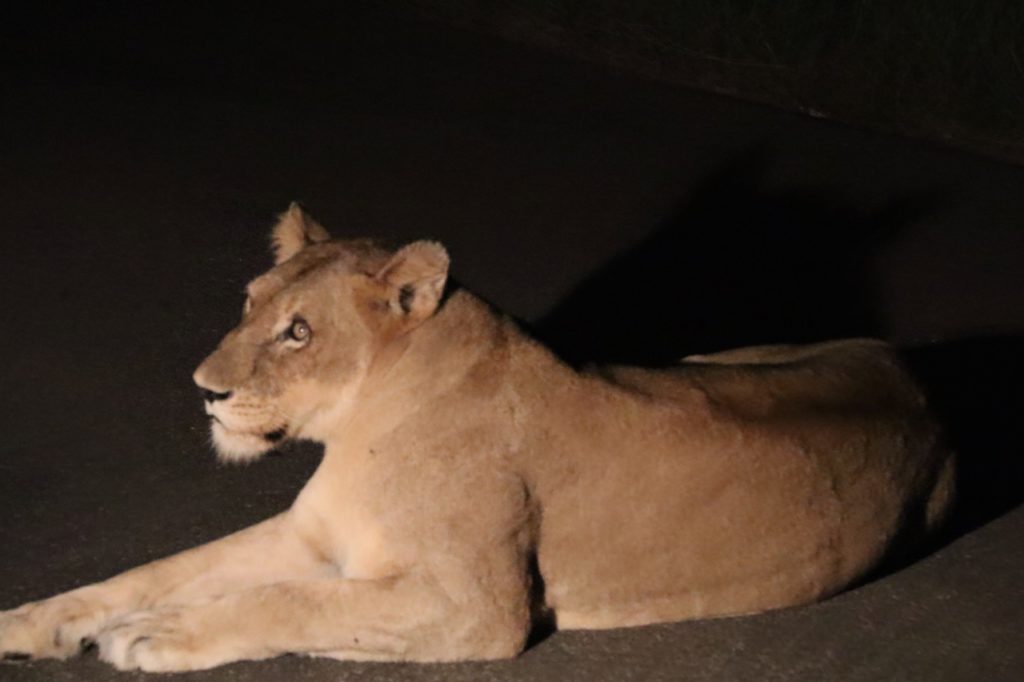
[343, 257]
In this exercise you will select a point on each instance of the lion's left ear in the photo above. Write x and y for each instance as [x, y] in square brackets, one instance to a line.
[295, 230]
[414, 279]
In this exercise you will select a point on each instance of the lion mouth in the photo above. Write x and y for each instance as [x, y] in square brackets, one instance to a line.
[276, 436]
[240, 445]
[273, 436]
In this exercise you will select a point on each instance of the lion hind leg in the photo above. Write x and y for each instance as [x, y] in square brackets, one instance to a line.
[940, 500]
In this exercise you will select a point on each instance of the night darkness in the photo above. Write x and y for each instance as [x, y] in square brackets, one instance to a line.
[619, 215]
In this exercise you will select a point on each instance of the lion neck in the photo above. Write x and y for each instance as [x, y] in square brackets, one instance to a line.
[421, 366]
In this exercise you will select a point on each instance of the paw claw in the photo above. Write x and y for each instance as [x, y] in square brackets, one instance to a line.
[52, 628]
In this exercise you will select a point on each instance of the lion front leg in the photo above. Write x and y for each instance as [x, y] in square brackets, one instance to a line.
[58, 627]
[404, 618]
[53, 628]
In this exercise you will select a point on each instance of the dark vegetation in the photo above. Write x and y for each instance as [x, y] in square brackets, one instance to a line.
[940, 69]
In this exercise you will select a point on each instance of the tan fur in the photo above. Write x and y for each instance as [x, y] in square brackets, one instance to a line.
[457, 449]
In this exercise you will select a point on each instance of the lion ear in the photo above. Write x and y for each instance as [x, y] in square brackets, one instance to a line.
[294, 231]
[414, 279]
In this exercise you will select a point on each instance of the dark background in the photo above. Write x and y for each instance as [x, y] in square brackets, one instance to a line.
[938, 69]
[146, 149]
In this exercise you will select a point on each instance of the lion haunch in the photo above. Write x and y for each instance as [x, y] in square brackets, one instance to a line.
[458, 451]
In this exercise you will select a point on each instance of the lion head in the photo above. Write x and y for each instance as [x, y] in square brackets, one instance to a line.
[310, 329]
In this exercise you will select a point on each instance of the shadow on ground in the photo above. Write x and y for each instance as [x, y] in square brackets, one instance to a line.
[736, 265]
[974, 386]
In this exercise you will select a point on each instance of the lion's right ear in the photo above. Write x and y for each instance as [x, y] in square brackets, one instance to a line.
[414, 280]
[294, 231]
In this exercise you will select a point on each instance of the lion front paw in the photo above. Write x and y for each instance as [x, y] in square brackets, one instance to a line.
[54, 628]
[161, 640]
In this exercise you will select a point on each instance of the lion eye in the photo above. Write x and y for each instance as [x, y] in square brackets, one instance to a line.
[299, 331]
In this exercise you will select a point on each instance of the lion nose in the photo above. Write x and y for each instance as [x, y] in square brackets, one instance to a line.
[212, 396]
[207, 388]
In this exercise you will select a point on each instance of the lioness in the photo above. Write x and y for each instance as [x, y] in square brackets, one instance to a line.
[459, 452]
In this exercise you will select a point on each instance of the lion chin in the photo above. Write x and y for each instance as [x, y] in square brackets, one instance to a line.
[239, 446]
